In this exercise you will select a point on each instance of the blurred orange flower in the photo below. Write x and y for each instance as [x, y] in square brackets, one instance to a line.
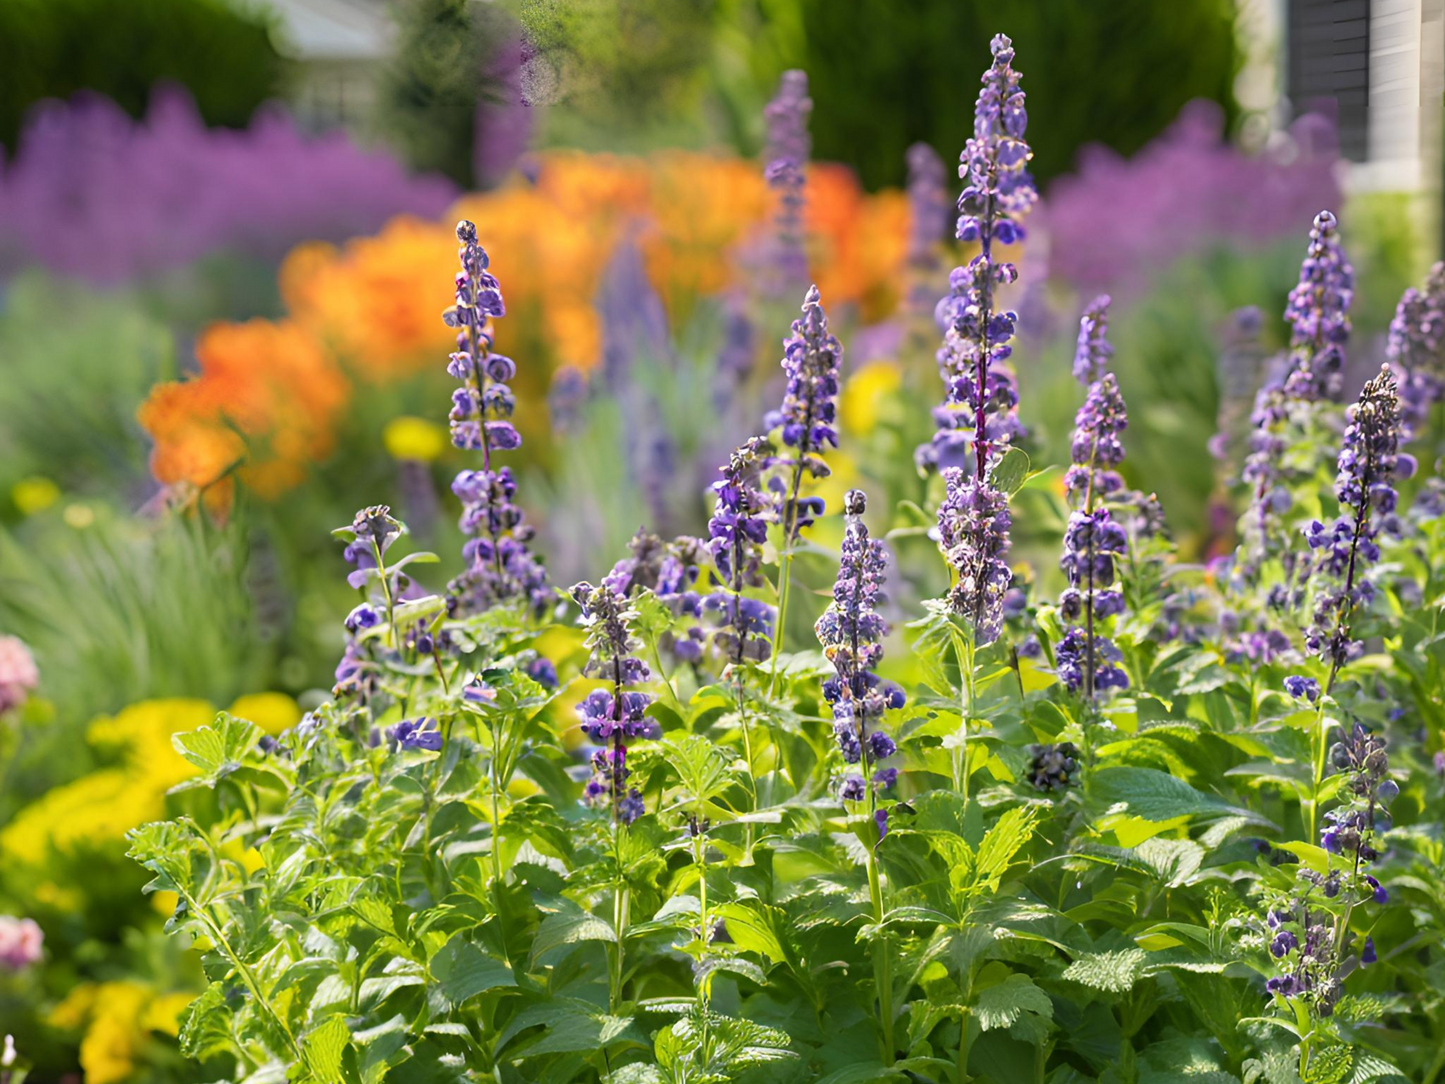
[265, 400]
[262, 405]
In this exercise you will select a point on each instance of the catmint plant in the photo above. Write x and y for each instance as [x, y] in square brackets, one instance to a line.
[1094, 542]
[1286, 406]
[998, 192]
[500, 566]
[785, 158]
[612, 716]
[807, 420]
[1415, 349]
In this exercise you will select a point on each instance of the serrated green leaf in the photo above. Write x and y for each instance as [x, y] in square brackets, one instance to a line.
[1002, 1005]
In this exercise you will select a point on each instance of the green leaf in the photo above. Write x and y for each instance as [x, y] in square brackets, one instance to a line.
[1115, 972]
[752, 928]
[322, 1049]
[205, 1022]
[1002, 1005]
[463, 970]
[567, 927]
[217, 750]
[1010, 472]
[1157, 796]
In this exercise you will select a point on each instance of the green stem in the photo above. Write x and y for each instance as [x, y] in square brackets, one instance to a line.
[962, 1063]
[882, 978]
[785, 585]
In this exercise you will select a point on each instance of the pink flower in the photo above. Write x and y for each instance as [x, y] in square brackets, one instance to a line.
[20, 940]
[18, 675]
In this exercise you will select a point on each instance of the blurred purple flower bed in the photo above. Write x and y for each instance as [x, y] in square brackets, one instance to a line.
[92, 193]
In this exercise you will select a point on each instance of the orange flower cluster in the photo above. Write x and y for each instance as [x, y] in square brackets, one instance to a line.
[261, 409]
[372, 304]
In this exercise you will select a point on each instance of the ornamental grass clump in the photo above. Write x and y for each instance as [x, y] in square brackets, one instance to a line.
[1182, 823]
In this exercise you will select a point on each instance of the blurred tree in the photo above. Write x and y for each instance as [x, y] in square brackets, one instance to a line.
[886, 74]
[451, 57]
[53, 48]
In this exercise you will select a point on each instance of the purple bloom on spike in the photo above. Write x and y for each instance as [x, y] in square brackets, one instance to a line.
[736, 532]
[973, 529]
[1302, 688]
[414, 734]
[1367, 956]
[1092, 352]
[998, 192]
[1416, 349]
[785, 158]
[612, 714]
[500, 566]
[812, 357]
[1344, 552]
[1318, 314]
[851, 632]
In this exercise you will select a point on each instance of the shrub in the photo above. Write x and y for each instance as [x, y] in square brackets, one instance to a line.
[221, 53]
[1131, 821]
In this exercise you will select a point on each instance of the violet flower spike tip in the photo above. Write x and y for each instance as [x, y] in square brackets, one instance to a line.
[500, 564]
[1318, 315]
[812, 359]
[973, 529]
[998, 192]
[851, 633]
[1092, 353]
[785, 158]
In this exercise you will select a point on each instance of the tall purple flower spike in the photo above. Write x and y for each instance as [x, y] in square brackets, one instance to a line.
[812, 358]
[500, 566]
[785, 158]
[980, 391]
[1416, 350]
[851, 632]
[1370, 461]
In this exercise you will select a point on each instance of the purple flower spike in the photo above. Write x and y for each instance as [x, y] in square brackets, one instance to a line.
[973, 529]
[812, 357]
[500, 566]
[851, 632]
[998, 192]
[786, 158]
[610, 715]
[1092, 354]
[736, 532]
[1416, 349]
[1343, 553]
[1318, 314]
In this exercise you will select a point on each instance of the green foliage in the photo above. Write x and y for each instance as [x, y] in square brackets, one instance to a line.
[885, 75]
[221, 52]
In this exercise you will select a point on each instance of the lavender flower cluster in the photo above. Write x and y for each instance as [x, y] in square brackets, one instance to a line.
[980, 392]
[786, 156]
[973, 526]
[1369, 463]
[812, 358]
[851, 632]
[1304, 937]
[500, 566]
[736, 532]
[670, 570]
[1318, 315]
[1093, 540]
[1416, 349]
[612, 715]
[92, 193]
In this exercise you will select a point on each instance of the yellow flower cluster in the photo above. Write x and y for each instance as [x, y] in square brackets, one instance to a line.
[90, 816]
[267, 397]
[117, 1018]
